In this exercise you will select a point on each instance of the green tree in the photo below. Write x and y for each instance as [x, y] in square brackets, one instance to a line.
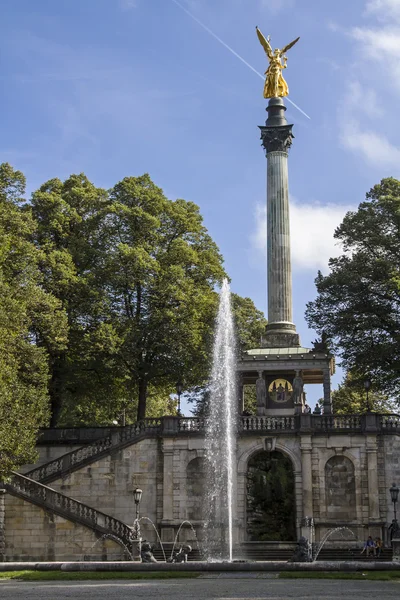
[250, 322]
[30, 319]
[351, 398]
[358, 304]
[70, 233]
[161, 270]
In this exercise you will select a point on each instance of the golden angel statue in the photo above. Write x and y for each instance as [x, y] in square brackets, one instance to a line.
[275, 85]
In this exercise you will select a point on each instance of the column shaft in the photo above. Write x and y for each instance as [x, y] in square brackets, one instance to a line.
[373, 485]
[306, 472]
[278, 240]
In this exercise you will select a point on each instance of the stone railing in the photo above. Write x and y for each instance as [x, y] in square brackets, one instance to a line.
[334, 423]
[90, 452]
[172, 426]
[267, 423]
[195, 424]
[68, 508]
[390, 423]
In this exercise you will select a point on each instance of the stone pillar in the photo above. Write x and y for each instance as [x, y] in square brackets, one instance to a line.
[276, 138]
[167, 532]
[327, 392]
[306, 472]
[2, 525]
[373, 484]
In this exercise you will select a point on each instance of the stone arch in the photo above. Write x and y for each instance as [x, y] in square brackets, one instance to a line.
[195, 485]
[340, 489]
[270, 497]
[242, 463]
[249, 452]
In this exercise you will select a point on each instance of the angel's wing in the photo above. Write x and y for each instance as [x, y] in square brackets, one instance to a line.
[265, 44]
[286, 48]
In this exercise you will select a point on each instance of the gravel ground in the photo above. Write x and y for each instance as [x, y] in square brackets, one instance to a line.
[204, 588]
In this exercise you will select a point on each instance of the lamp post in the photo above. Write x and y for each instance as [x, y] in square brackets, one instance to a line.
[394, 494]
[137, 496]
[367, 387]
[179, 388]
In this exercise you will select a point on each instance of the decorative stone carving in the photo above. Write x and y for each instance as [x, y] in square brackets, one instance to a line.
[298, 388]
[276, 139]
[261, 394]
[180, 555]
[146, 553]
[303, 552]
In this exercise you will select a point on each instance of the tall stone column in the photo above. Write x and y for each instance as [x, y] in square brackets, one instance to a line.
[276, 138]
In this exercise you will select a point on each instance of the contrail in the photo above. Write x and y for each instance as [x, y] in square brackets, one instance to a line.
[214, 35]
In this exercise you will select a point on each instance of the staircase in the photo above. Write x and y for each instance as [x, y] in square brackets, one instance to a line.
[30, 487]
[68, 508]
[72, 461]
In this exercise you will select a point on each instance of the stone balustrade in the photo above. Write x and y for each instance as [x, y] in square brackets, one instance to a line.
[119, 437]
[174, 425]
[68, 508]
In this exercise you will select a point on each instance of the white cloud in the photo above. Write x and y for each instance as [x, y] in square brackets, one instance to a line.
[374, 75]
[311, 230]
[384, 9]
[381, 43]
[374, 147]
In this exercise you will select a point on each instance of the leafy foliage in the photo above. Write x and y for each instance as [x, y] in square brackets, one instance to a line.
[118, 297]
[358, 302]
[270, 497]
[351, 398]
[27, 314]
[135, 273]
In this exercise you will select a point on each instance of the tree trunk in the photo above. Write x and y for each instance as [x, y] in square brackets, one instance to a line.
[55, 388]
[141, 411]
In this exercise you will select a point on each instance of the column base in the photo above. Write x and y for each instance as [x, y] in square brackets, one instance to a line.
[280, 335]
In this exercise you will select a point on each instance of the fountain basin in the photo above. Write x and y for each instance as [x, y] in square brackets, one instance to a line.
[199, 567]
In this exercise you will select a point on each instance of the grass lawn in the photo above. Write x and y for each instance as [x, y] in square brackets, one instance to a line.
[86, 575]
[369, 575]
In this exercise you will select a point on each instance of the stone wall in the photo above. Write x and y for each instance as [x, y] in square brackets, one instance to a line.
[32, 533]
[332, 471]
[108, 483]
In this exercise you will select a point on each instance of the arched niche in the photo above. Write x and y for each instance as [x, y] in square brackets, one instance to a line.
[270, 498]
[195, 477]
[340, 489]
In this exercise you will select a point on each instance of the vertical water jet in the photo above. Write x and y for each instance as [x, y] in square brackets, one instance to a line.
[221, 436]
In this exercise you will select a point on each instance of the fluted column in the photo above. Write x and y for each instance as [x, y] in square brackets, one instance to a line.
[278, 240]
[277, 138]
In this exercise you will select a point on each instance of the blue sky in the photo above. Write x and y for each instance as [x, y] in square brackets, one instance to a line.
[121, 87]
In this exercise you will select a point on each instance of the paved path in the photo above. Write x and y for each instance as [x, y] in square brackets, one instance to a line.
[204, 588]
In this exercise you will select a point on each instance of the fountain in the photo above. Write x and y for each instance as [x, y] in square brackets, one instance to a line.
[220, 437]
[327, 536]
